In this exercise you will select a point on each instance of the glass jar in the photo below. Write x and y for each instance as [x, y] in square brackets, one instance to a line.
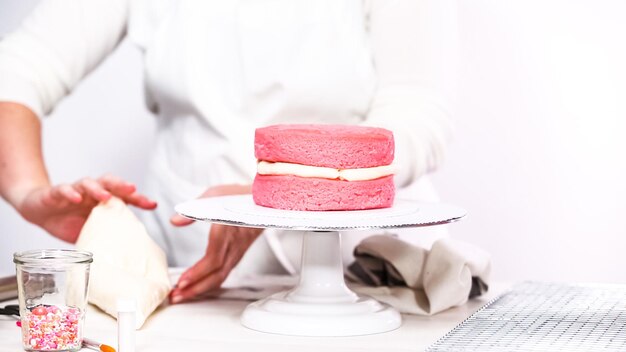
[52, 292]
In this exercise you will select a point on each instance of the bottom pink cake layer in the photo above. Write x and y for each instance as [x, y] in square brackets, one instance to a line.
[301, 193]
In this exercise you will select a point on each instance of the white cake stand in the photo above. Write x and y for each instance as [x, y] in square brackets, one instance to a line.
[321, 304]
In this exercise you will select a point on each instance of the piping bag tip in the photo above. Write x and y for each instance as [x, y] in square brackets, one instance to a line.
[106, 348]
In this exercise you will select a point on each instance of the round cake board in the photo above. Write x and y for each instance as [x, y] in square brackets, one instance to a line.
[240, 210]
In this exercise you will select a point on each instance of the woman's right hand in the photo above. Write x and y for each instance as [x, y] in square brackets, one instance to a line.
[62, 210]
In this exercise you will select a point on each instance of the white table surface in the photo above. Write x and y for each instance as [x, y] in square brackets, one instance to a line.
[213, 325]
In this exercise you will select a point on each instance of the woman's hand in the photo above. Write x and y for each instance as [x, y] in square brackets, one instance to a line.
[227, 245]
[62, 210]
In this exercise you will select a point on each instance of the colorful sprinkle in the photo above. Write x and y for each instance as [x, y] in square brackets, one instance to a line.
[41, 310]
[50, 328]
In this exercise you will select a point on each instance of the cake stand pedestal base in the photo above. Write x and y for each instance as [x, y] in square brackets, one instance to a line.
[321, 304]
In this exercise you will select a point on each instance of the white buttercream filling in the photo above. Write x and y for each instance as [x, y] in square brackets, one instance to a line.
[362, 174]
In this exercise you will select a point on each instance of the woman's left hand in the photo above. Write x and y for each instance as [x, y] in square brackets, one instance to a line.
[227, 245]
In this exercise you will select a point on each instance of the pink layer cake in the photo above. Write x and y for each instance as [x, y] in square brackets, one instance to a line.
[324, 167]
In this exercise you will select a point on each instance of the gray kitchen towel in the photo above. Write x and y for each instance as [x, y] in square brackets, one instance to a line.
[416, 280]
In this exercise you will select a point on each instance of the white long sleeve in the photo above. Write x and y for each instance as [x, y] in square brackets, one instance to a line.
[410, 41]
[56, 46]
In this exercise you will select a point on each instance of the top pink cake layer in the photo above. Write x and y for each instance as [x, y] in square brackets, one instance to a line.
[336, 146]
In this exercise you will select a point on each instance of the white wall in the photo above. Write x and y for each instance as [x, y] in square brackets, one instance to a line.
[539, 154]
[537, 158]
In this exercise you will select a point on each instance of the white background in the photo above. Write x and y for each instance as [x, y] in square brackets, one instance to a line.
[538, 157]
